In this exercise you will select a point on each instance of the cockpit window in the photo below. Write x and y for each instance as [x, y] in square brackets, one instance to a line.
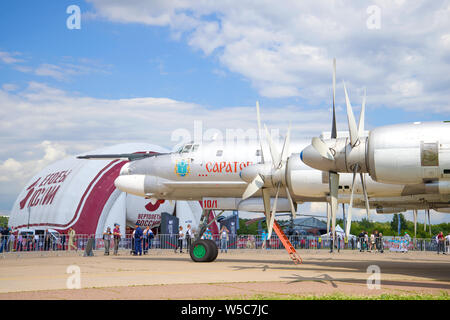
[187, 148]
[195, 147]
[219, 153]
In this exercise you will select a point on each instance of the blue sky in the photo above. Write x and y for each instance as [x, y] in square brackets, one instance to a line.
[207, 61]
[130, 60]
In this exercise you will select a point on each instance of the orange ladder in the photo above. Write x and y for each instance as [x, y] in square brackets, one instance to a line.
[286, 243]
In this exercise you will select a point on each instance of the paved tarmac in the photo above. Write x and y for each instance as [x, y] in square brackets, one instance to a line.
[239, 273]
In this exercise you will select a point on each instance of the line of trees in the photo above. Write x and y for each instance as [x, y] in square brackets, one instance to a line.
[387, 228]
[4, 221]
[391, 228]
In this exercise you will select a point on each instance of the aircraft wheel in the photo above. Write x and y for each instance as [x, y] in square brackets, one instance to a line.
[215, 250]
[202, 251]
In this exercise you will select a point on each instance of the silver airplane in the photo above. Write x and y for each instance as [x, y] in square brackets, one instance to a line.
[241, 176]
[254, 175]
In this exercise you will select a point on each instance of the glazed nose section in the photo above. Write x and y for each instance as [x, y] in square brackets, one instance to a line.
[133, 184]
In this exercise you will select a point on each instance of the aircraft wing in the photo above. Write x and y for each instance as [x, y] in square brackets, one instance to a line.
[120, 156]
[206, 184]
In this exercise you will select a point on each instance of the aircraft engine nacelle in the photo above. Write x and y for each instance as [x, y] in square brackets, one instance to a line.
[141, 185]
[397, 154]
[303, 181]
[438, 187]
[385, 210]
[410, 153]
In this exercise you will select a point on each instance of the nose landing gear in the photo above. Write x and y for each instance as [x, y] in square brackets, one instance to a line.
[203, 250]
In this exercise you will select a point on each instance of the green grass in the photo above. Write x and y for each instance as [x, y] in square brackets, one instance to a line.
[339, 296]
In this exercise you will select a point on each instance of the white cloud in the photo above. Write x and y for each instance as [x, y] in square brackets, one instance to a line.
[286, 50]
[9, 57]
[50, 70]
[9, 87]
[67, 70]
[62, 71]
[14, 173]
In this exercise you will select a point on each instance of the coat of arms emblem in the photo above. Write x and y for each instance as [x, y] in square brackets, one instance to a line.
[182, 168]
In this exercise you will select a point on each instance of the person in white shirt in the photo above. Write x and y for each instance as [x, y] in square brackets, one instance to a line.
[180, 240]
[372, 241]
[224, 239]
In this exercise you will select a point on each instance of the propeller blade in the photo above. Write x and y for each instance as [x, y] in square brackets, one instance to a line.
[415, 223]
[293, 211]
[272, 215]
[258, 119]
[353, 130]
[333, 123]
[285, 150]
[350, 207]
[425, 221]
[322, 148]
[328, 218]
[253, 187]
[266, 201]
[334, 188]
[273, 149]
[366, 197]
[362, 115]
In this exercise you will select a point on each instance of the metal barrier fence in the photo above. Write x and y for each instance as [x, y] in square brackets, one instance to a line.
[15, 243]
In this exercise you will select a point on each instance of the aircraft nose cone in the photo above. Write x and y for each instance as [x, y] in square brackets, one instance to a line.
[133, 184]
[311, 157]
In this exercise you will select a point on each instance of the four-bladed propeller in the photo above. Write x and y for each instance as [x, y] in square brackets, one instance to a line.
[341, 155]
[267, 176]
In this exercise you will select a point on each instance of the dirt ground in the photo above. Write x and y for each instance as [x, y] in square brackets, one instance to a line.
[240, 273]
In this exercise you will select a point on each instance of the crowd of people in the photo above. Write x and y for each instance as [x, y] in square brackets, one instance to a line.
[31, 241]
[142, 239]
[374, 242]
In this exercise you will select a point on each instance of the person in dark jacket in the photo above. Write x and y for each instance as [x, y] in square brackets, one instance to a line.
[5, 237]
[138, 235]
[361, 241]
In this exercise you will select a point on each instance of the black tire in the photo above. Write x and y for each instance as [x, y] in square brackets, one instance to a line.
[201, 251]
[214, 250]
